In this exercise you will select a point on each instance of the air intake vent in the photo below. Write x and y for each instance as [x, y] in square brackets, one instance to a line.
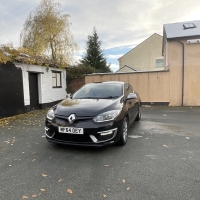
[189, 25]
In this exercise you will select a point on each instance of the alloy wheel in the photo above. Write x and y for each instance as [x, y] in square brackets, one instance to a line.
[124, 129]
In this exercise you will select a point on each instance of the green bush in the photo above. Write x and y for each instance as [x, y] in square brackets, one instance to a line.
[79, 71]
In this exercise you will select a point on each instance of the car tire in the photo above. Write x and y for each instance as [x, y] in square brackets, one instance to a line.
[124, 132]
[138, 118]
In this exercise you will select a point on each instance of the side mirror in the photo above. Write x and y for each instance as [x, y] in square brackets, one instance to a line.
[131, 96]
[68, 95]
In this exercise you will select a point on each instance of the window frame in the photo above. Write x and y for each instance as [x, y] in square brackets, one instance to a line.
[57, 73]
[158, 66]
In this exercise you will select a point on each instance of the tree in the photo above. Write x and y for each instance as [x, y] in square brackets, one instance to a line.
[76, 74]
[47, 31]
[94, 55]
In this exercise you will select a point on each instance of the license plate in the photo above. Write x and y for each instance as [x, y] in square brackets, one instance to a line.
[70, 130]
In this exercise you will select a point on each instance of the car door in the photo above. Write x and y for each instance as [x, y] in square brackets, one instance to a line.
[130, 103]
[135, 103]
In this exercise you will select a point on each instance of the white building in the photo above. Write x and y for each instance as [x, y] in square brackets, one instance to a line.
[42, 86]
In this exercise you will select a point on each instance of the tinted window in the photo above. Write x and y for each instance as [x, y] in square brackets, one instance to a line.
[130, 89]
[126, 89]
[99, 91]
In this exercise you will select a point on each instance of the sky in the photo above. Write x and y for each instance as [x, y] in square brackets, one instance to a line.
[121, 25]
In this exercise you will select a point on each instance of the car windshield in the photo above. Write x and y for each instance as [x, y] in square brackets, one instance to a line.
[99, 91]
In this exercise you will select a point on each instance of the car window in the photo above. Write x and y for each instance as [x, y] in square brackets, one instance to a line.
[126, 89]
[130, 89]
[99, 91]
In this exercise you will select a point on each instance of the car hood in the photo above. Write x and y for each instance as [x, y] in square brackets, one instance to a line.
[86, 107]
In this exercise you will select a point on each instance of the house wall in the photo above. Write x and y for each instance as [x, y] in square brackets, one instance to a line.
[153, 87]
[166, 86]
[143, 56]
[191, 96]
[47, 94]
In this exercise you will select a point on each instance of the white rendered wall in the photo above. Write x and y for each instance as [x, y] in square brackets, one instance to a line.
[46, 93]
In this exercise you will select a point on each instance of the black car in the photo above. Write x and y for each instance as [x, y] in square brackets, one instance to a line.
[97, 114]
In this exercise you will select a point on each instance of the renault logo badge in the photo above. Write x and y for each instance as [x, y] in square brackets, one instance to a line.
[71, 118]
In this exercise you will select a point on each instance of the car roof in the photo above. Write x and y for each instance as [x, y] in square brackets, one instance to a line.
[108, 82]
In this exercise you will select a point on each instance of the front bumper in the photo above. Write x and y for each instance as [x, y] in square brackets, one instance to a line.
[95, 134]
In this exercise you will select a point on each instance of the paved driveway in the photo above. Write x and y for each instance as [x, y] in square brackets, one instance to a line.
[160, 161]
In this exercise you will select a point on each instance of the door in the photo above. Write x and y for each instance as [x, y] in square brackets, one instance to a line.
[135, 103]
[33, 88]
[130, 103]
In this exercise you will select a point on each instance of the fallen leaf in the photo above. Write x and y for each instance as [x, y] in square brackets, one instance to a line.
[24, 197]
[123, 181]
[69, 191]
[44, 175]
[105, 196]
[59, 180]
[34, 195]
[128, 188]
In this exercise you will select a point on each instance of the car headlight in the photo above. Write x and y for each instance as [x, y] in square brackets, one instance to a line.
[107, 116]
[50, 114]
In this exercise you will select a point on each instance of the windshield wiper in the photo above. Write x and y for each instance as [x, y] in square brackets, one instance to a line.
[110, 97]
[86, 98]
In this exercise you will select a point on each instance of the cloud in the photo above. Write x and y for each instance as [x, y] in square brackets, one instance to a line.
[114, 67]
[114, 56]
[119, 23]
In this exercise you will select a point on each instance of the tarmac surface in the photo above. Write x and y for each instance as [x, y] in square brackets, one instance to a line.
[161, 160]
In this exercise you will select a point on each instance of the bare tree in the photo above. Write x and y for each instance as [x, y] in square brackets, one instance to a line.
[47, 31]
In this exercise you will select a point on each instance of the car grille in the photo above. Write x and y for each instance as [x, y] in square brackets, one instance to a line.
[72, 137]
[77, 120]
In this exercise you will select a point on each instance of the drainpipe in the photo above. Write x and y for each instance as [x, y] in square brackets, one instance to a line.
[183, 66]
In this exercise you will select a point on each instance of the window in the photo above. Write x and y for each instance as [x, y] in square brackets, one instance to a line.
[99, 91]
[131, 89]
[159, 62]
[126, 89]
[56, 79]
[189, 25]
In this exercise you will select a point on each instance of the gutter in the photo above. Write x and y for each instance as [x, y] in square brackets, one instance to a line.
[183, 69]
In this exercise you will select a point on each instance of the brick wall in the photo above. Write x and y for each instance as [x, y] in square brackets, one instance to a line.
[75, 84]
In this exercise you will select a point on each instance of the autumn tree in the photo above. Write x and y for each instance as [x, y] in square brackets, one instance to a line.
[94, 55]
[3, 57]
[47, 31]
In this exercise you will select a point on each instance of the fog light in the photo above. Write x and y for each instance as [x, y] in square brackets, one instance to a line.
[49, 133]
[106, 133]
